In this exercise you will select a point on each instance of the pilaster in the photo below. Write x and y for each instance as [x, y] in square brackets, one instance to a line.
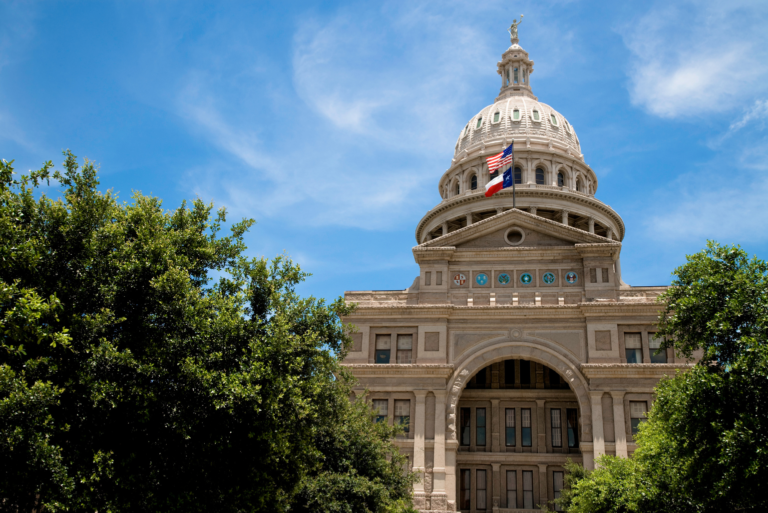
[620, 427]
[598, 434]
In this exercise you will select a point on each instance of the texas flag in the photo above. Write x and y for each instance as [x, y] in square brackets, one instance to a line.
[499, 183]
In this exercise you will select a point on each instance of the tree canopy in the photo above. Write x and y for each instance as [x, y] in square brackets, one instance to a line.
[704, 447]
[147, 364]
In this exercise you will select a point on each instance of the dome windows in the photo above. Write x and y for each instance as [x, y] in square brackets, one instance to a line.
[466, 130]
[578, 184]
[473, 183]
[516, 74]
[536, 115]
[496, 117]
[525, 75]
[518, 175]
[567, 126]
[507, 76]
[553, 119]
[539, 176]
[560, 179]
[516, 115]
[479, 122]
[458, 188]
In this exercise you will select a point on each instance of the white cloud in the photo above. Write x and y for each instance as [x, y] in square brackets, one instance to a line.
[692, 59]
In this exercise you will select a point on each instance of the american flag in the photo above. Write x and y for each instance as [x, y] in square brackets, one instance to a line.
[501, 160]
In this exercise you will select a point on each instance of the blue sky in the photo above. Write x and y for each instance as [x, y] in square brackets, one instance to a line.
[330, 123]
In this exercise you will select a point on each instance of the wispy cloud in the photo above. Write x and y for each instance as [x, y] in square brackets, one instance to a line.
[697, 58]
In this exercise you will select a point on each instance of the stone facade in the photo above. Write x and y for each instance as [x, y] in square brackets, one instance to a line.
[518, 346]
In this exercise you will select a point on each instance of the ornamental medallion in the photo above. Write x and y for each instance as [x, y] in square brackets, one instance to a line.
[526, 278]
[481, 279]
[503, 279]
[571, 277]
[548, 278]
[459, 279]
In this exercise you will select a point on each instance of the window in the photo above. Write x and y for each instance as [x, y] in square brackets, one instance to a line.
[654, 345]
[511, 489]
[557, 487]
[496, 117]
[383, 346]
[482, 490]
[518, 175]
[404, 348]
[516, 115]
[509, 423]
[439, 277]
[536, 116]
[479, 122]
[466, 129]
[480, 426]
[567, 126]
[557, 428]
[458, 188]
[525, 374]
[507, 76]
[473, 183]
[637, 412]
[633, 347]
[466, 486]
[605, 274]
[465, 429]
[527, 489]
[403, 413]
[525, 75]
[560, 180]
[573, 427]
[509, 372]
[539, 176]
[553, 119]
[382, 407]
[578, 184]
[525, 417]
[516, 76]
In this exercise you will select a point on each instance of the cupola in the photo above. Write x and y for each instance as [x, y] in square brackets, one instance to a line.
[515, 68]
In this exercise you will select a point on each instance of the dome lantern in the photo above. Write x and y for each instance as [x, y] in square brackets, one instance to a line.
[515, 68]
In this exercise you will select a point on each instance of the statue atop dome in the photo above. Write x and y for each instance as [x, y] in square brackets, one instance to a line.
[513, 29]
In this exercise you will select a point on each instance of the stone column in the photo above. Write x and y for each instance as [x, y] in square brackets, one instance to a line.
[533, 211]
[499, 210]
[610, 233]
[419, 498]
[620, 428]
[542, 483]
[617, 270]
[445, 227]
[598, 436]
[565, 217]
[469, 219]
[542, 426]
[591, 225]
[496, 486]
[495, 425]
[439, 498]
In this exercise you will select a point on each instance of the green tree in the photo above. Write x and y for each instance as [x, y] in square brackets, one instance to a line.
[704, 447]
[148, 365]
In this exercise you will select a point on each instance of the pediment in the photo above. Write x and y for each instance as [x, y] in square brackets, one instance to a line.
[500, 230]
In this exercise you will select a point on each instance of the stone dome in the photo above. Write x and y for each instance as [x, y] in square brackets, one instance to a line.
[522, 119]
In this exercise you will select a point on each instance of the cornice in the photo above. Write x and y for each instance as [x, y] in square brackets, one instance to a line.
[578, 310]
[491, 254]
[360, 370]
[575, 197]
[632, 370]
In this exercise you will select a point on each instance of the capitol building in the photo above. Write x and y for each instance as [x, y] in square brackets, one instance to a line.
[519, 345]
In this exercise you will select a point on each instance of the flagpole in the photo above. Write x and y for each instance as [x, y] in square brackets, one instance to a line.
[514, 199]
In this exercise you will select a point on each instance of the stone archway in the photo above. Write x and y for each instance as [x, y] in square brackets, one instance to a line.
[538, 350]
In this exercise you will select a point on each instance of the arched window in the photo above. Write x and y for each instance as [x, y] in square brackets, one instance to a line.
[496, 116]
[518, 175]
[473, 183]
[578, 184]
[516, 75]
[539, 176]
[560, 179]
[507, 76]
[479, 122]
[458, 188]
[536, 116]
[553, 118]
[516, 115]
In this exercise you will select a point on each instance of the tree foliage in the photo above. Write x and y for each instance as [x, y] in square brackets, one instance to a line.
[704, 447]
[146, 364]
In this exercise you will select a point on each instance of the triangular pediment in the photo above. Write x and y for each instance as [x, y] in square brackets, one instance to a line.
[515, 228]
